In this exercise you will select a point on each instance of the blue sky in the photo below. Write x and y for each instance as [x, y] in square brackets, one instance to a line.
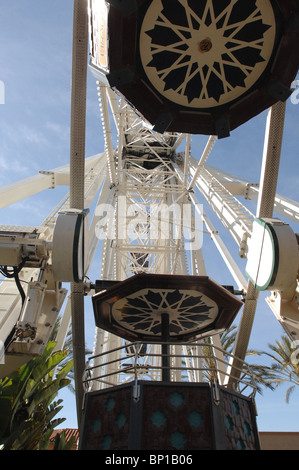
[35, 68]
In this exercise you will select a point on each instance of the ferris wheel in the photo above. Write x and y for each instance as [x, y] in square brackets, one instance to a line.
[163, 72]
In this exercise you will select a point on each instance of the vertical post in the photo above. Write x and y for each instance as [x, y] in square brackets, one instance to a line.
[271, 159]
[165, 347]
[77, 171]
[267, 191]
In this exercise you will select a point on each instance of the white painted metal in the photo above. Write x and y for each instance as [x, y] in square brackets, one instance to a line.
[233, 214]
[131, 189]
[265, 206]
[142, 189]
[77, 178]
[221, 196]
[147, 235]
[237, 186]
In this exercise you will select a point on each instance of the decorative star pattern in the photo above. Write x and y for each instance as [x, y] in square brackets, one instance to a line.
[203, 50]
[188, 311]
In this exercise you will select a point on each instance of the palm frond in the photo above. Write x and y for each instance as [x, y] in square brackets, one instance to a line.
[283, 368]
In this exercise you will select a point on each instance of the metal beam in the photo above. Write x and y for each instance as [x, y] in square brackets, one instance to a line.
[283, 206]
[223, 250]
[268, 182]
[202, 160]
[77, 172]
[271, 160]
[235, 217]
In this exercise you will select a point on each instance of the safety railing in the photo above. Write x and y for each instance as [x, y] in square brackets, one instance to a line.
[175, 362]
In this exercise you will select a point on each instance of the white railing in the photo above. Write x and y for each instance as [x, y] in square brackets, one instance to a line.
[196, 362]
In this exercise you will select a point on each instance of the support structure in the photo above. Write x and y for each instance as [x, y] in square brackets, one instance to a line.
[148, 214]
[151, 199]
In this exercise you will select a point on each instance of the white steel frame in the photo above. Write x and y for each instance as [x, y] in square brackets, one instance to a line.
[119, 176]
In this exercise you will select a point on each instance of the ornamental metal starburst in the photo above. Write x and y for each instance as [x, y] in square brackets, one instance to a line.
[205, 53]
[188, 311]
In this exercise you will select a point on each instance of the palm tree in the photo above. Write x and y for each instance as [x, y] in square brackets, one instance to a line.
[263, 375]
[285, 367]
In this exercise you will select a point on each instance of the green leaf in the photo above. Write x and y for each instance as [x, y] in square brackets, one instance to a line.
[53, 412]
[42, 370]
[44, 442]
[61, 443]
[65, 370]
[5, 414]
[47, 393]
[27, 410]
[57, 422]
[43, 396]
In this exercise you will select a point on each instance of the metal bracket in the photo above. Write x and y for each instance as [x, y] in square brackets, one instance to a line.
[136, 391]
[216, 393]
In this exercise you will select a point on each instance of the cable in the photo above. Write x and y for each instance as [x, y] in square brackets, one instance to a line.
[19, 286]
[15, 274]
[10, 274]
